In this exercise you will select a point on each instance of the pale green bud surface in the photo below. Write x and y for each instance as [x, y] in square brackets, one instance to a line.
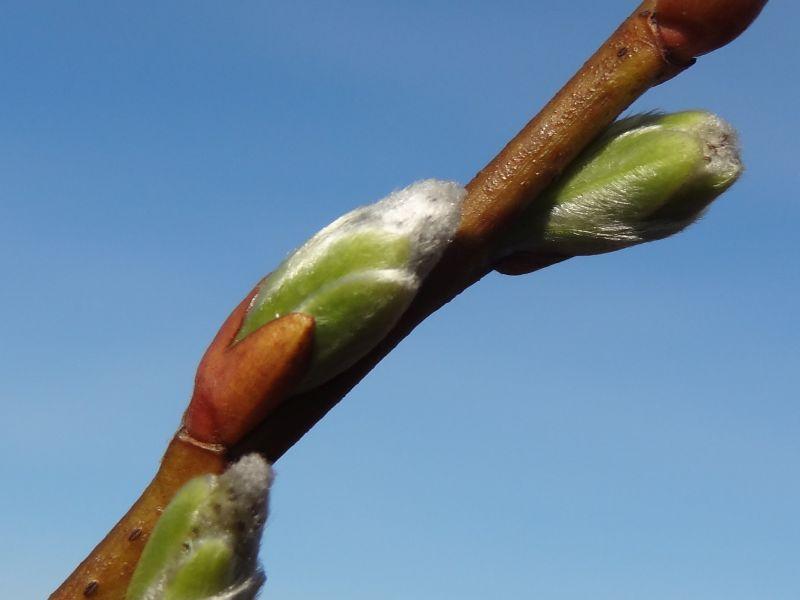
[205, 544]
[645, 178]
[358, 275]
[203, 573]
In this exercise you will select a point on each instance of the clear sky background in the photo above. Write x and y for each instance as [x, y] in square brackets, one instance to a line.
[617, 427]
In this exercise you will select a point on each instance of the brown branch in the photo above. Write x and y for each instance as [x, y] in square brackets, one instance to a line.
[107, 570]
[232, 392]
[635, 58]
[656, 42]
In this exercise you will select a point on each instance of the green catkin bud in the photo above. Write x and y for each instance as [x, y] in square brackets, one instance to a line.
[201, 574]
[205, 544]
[647, 177]
[358, 275]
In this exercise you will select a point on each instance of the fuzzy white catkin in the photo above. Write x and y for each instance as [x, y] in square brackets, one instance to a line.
[235, 513]
[358, 275]
[603, 214]
[647, 177]
[245, 486]
[426, 213]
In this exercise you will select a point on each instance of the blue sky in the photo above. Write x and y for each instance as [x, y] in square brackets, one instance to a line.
[623, 426]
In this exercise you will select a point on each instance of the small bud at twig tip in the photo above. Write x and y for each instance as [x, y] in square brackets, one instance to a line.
[690, 28]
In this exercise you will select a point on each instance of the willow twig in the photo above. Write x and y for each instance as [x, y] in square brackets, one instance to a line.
[659, 40]
[636, 57]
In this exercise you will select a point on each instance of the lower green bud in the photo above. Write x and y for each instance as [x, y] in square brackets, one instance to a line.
[204, 572]
[205, 544]
[646, 178]
[357, 276]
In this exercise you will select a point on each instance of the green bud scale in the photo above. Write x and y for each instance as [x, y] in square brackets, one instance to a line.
[205, 544]
[647, 177]
[358, 275]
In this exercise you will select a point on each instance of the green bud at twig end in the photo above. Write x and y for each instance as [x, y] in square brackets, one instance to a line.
[648, 177]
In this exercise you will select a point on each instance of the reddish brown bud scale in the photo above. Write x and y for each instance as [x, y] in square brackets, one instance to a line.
[690, 28]
[238, 384]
